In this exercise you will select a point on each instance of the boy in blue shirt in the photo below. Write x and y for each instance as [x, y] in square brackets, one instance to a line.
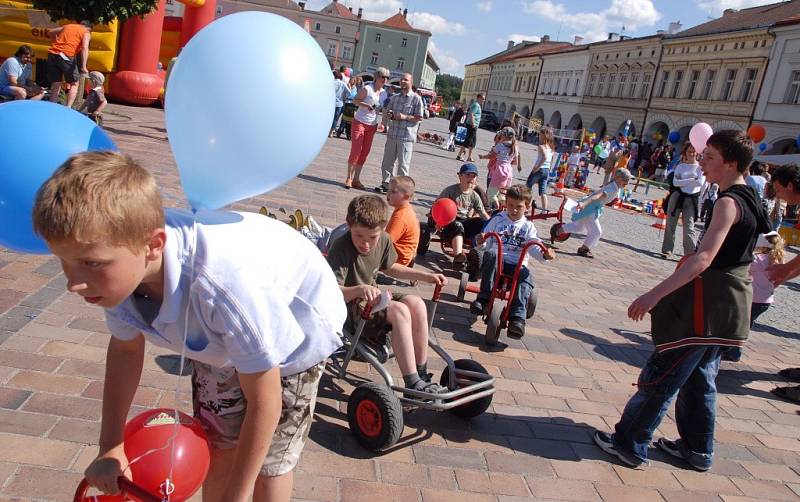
[257, 319]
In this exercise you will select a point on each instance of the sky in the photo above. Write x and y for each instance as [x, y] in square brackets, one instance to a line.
[465, 31]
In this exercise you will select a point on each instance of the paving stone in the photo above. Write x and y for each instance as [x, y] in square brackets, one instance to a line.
[29, 424]
[618, 493]
[75, 407]
[12, 398]
[46, 382]
[39, 483]
[706, 482]
[36, 451]
[312, 487]
[358, 491]
[564, 489]
[448, 457]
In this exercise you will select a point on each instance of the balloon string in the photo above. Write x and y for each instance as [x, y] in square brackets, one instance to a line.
[176, 424]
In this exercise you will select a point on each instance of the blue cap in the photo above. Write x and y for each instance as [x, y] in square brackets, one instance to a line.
[468, 168]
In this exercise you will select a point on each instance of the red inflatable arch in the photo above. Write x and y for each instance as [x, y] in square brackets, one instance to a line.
[137, 80]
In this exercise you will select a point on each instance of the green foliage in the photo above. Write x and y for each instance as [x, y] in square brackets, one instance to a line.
[449, 87]
[96, 11]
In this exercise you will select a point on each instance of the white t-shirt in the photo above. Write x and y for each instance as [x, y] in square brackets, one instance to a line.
[365, 115]
[260, 296]
[514, 234]
[689, 178]
[574, 159]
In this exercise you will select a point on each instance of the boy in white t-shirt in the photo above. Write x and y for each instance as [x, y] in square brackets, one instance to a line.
[258, 320]
[515, 231]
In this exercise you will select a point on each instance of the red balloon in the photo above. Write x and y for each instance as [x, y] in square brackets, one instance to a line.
[148, 435]
[444, 211]
[756, 132]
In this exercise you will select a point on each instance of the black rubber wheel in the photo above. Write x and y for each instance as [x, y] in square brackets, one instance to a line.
[462, 286]
[474, 408]
[375, 416]
[533, 299]
[424, 239]
[493, 322]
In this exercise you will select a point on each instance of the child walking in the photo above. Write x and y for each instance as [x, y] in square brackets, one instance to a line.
[768, 252]
[503, 158]
[588, 219]
[699, 309]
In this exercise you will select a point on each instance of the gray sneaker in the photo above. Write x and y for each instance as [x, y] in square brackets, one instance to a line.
[606, 444]
[698, 461]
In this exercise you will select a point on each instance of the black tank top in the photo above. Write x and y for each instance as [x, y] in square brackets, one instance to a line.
[737, 248]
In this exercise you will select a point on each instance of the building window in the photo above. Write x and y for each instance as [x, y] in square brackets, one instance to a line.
[338, 29]
[621, 87]
[793, 92]
[646, 85]
[749, 84]
[404, 42]
[590, 90]
[332, 49]
[601, 85]
[727, 89]
[663, 87]
[577, 85]
[377, 38]
[346, 52]
[634, 83]
[710, 76]
[374, 59]
[677, 85]
[611, 80]
[693, 83]
[401, 62]
[317, 27]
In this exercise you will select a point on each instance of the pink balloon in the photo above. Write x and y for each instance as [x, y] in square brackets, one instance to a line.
[698, 136]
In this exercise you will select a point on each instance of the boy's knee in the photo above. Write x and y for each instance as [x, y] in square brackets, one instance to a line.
[415, 304]
[397, 312]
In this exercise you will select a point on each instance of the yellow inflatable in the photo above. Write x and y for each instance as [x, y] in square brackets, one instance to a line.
[21, 24]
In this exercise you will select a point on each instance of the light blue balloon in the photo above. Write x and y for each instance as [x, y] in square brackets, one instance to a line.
[249, 105]
[38, 136]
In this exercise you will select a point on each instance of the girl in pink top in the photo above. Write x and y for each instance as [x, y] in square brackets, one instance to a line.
[502, 158]
[768, 252]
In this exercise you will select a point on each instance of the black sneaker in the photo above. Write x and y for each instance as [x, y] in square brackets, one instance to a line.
[603, 440]
[381, 189]
[478, 307]
[516, 328]
[676, 449]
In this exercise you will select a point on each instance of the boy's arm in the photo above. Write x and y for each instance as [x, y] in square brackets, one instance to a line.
[365, 291]
[103, 103]
[726, 214]
[411, 274]
[264, 396]
[124, 360]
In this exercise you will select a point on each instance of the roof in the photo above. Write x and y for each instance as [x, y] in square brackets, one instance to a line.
[336, 9]
[561, 50]
[744, 19]
[398, 21]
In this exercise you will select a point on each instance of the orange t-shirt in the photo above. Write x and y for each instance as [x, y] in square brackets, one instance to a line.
[68, 40]
[403, 228]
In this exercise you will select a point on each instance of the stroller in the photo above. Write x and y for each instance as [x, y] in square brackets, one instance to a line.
[348, 112]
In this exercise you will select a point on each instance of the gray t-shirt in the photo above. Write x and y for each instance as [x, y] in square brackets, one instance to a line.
[469, 204]
[352, 268]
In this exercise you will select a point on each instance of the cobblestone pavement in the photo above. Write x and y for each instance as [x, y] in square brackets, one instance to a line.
[572, 372]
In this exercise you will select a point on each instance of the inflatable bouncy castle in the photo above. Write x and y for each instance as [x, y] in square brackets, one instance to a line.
[129, 52]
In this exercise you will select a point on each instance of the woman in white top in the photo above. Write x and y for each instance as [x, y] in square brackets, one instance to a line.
[688, 178]
[365, 123]
[541, 169]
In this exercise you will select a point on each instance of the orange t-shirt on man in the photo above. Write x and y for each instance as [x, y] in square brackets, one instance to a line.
[68, 40]
[403, 229]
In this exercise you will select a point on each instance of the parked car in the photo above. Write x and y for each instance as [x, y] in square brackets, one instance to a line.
[489, 121]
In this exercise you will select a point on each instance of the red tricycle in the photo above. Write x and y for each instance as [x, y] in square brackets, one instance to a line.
[130, 492]
[498, 306]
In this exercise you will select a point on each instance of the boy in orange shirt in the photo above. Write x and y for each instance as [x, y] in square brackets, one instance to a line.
[403, 226]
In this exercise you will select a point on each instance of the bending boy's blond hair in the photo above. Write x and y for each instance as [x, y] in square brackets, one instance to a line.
[99, 197]
[405, 184]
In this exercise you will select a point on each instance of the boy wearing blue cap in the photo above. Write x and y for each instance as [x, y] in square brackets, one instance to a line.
[470, 216]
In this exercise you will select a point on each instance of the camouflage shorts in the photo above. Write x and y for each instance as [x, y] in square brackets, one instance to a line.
[220, 407]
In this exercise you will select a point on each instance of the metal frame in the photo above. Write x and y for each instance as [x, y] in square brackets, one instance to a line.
[472, 390]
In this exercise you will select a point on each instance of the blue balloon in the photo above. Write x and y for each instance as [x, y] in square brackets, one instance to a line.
[249, 105]
[762, 147]
[674, 137]
[38, 137]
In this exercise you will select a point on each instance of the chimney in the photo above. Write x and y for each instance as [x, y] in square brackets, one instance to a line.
[578, 40]
[660, 32]
[674, 27]
[545, 38]
[510, 44]
[729, 11]
[613, 36]
[360, 11]
[302, 5]
[405, 12]
[350, 9]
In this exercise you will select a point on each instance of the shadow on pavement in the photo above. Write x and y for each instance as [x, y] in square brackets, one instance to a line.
[645, 252]
[624, 353]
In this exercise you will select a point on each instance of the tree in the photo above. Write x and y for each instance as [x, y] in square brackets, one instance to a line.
[95, 11]
[449, 87]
